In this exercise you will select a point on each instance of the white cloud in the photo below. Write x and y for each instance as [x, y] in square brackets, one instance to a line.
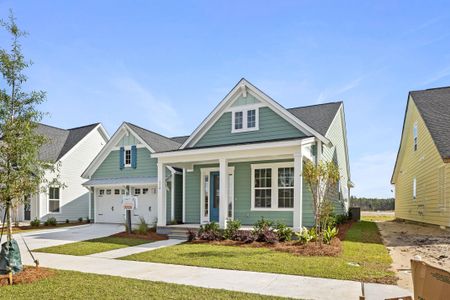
[328, 94]
[371, 174]
[159, 113]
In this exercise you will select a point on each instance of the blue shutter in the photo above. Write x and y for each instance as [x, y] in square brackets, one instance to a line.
[133, 157]
[121, 158]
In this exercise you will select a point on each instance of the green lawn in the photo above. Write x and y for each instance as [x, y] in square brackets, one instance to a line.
[94, 246]
[75, 285]
[377, 218]
[362, 245]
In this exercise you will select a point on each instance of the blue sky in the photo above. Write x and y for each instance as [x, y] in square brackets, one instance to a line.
[165, 65]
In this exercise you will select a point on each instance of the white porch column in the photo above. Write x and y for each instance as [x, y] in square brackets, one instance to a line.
[298, 190]
[223, 203]
[184, 196]
[172, 198]
[161, 195]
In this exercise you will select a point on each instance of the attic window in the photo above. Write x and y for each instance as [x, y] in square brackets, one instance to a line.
[245, 120]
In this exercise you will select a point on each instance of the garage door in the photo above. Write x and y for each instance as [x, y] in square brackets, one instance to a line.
[109, 205]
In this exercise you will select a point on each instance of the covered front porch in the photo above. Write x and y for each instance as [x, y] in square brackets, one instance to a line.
[257, 180]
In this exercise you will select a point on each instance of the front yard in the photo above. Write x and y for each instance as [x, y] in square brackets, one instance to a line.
[94, 246]
[364, 258]
[75, 285]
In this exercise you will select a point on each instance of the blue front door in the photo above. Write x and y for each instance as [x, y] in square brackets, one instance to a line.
[215, 197]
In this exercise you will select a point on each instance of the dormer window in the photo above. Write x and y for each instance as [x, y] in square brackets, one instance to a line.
[127, 157]
[245, 120]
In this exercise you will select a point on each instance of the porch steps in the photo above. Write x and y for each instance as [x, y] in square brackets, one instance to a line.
[174, 232]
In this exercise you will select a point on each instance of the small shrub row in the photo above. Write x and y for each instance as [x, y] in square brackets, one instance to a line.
[306, 235]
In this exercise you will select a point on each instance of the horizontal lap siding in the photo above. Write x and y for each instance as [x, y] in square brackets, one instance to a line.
[424, 165]
[271, 127]
[178, 197]
[109, 168]
[192, 213]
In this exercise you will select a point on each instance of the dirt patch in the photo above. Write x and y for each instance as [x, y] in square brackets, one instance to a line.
[28, 275]
[151, 236]
[406, 240]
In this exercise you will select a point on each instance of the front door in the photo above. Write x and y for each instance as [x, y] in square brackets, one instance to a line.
[215, 197]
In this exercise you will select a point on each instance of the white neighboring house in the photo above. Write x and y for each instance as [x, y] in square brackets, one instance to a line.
[71, 150]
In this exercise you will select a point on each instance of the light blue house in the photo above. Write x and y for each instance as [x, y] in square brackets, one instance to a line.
[245, 161]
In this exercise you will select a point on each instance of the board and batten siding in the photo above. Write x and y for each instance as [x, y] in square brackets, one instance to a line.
[74, 198]
[271, 127]
[110, 168]
[432, 203]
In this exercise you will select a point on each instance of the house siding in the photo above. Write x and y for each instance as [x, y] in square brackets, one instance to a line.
[74, 198]
[337, 153]
[178, 197]
[271, 127]
[109, 168]
[432, 204]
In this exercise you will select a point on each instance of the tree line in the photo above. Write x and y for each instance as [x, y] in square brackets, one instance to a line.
[372, 204]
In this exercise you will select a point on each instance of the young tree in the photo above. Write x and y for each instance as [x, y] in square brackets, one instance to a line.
[21, 171]
[320, 178]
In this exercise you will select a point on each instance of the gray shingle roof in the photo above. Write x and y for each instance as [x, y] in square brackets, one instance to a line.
[156, 141]
[434, 107]
[180, 139]
[318, 117]
[60, 141]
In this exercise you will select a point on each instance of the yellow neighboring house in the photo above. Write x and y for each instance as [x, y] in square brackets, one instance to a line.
[422, 169]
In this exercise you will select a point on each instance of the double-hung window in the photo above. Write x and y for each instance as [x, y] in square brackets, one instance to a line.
[53, 199]
[245, 120]
[127, 157]
[273, 186]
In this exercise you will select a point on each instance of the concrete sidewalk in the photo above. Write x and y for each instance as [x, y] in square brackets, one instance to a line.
[243, 281]
[136, 249]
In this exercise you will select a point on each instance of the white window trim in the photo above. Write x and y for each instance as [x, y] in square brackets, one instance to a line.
[274, 203]
[48, 202]
[244, 110]
[127, 148]
[206, 172]
[414, 189]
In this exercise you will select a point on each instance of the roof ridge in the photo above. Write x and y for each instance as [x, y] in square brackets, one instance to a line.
[431, 89]
[84, 126]
[312, 105]
[169, 139]
[39, 123]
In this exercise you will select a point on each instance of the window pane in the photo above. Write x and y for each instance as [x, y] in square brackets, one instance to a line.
[238, 120]
[53, 206]
[263, 178]
[286, 198]
[128, 157]
[251, 118]
[263, 198]
[286, 177]
[53, 193]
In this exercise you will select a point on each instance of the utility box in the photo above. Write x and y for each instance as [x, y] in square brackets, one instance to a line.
[355, 213]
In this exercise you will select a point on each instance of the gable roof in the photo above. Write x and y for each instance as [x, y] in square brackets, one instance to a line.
[156, 141]
[60, 141]
[180, 139]
[319, 116]
[243, 86]
[434, 108]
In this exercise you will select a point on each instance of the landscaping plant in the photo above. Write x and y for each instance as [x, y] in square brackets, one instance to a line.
[210, 232]
[35, 223]
[283, 232]
[329, 234]
[143, 226]
[245, 236]
[232, 228]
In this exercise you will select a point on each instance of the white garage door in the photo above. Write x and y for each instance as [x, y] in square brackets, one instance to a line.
[109, 205]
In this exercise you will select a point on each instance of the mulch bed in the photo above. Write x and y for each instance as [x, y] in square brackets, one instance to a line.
[151, 235]
[294, 247]
[28, 275]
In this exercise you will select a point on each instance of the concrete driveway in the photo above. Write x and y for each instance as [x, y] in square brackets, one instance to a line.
[59, 236]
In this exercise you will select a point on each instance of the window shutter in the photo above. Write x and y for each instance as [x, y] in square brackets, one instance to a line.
[133, 157]
[121, 158]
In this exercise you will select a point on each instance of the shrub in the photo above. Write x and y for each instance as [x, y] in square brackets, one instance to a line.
[341, 219]
[80, 219]
[245, 236]
[67, 221]
[35, 223]
[173, 222]
[262, 225]
[305, 236]
[191, 235]
[283, 232]
[51, 221]
[264, 232]
[210, 232]
[232, 227]
[143, 226]
[329, 234]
